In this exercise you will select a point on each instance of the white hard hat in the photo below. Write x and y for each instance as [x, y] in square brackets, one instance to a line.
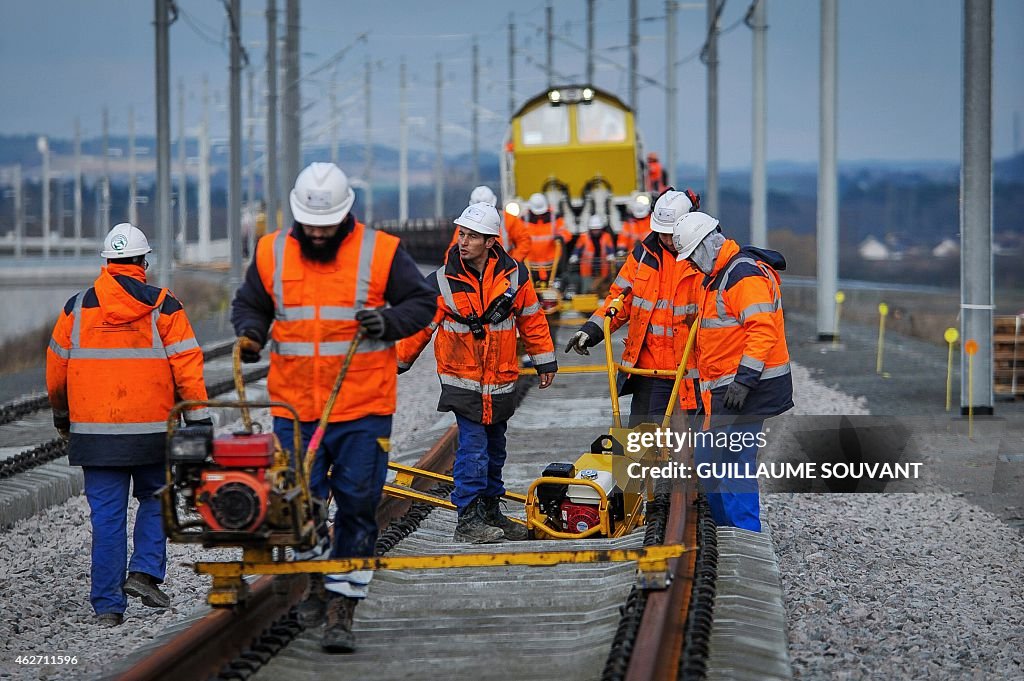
[480, 217]
[596, 221]
[321, 196]
[125, 241]
[640, 209]
[690, 231]
[538, 204]
[483, 194]
[669, 210]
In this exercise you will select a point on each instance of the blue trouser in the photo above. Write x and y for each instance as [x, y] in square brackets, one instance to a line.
[351, 465]
[106, 489]
[734, 501]
[478, 461]
[650, 399]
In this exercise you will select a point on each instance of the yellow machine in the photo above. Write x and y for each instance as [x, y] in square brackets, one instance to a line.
[571, 140]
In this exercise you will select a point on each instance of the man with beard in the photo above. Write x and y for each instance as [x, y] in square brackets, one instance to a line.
[318, 283]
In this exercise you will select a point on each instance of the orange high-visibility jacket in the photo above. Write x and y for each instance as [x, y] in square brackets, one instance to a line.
[660, 306]
[655, 177]
[594, 257]
[314, 323]
[543, 233]
[478, 374]
[517, 234]
[742, 336]
[120, 353]
[633, 231]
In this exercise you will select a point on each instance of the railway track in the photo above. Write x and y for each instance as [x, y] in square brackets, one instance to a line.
[579, 621]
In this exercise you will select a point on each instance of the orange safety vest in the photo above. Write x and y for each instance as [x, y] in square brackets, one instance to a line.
[119, 354]
[742, 335]
[543, 233]
[314, 323]
[634, 230]
[591, 256]
[478, 374]
[655, 177]
[660, 307]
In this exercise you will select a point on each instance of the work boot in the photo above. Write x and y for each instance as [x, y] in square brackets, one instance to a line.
[109, 619]
[495, 518]
[141, 585]
[473, 528]
[337, 634]
[311, 611]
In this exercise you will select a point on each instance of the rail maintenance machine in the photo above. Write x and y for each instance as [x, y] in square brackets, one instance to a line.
[247, 490]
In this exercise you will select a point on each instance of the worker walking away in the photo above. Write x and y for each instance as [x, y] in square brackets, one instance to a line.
[513, 230]
[594, 253]
[742, 356]
[545, 232]
[660, 304]
[308, 290]
[636, 227]
[657, 177]
[483, 297]
[121, 352]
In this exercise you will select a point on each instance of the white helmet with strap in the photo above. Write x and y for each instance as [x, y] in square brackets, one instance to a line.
[125, 240]
[322, 195]
[689, 231]
[481, 218]
[669, 210]
[538, 204]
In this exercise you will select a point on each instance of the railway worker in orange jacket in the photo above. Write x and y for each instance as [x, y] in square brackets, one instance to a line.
[742, 358]
[657, 178]
[636, 227]
[660, 304]
[513, 231]
[121, 352]
[594, 252]
[483, 297]
[308, 289]
[545, 231]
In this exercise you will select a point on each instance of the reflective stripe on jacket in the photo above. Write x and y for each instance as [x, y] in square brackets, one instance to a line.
[660, 306]
[478, 375]
[119, 355]
[315, 305]
[742, 335]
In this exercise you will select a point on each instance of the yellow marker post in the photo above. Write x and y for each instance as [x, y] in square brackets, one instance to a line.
[952, 336]
[971, 348]
[840, 297]
[883, 312]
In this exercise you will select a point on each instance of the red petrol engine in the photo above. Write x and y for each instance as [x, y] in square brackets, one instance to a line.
[233, 495]
[578, 517]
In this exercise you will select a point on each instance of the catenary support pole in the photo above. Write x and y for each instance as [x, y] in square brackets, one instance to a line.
[271, 190]
[976, 294]
[165, 258]
[758, 171]
[828, 196]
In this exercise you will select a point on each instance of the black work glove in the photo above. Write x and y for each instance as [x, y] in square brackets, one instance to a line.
[579, 342]
[251, 344]
[63, 426]
[373, 323]
[736, 396]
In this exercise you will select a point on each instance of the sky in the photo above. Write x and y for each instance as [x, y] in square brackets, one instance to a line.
[899, 70]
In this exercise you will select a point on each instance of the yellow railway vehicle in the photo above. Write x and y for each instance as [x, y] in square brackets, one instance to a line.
[579, 146]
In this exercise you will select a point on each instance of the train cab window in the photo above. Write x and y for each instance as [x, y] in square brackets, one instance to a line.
[600, 122]
[545, 125]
